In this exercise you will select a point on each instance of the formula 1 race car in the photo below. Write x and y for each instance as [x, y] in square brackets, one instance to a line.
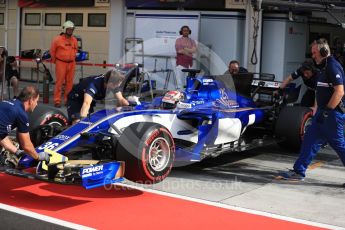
[213, 115]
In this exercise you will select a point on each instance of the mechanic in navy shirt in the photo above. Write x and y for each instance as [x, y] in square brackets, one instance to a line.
[13, 114]
[81, 99]
[308, 73]
[235, 68]
[328, 121]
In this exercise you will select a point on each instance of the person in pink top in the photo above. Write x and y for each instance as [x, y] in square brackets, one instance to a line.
[185, 48]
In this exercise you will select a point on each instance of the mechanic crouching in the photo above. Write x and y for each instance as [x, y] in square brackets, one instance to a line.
[81, 99]
[328, 122]
[13, 114]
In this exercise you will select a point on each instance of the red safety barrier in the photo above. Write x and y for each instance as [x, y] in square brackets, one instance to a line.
[78, 63]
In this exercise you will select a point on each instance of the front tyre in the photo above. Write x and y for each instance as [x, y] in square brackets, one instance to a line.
[42, 120]
[148, 150]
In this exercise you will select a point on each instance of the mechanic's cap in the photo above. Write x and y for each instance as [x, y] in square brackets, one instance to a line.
[114, 76]
[68, 24]
[171, 98]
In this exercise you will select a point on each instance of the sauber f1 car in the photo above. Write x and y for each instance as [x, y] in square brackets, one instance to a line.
[211, 116]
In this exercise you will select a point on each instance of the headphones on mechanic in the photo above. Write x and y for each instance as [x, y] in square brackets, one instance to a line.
[190, 31]
[323, 47]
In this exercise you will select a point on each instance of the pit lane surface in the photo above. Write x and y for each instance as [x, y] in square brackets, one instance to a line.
[234, 191]
[248, 180]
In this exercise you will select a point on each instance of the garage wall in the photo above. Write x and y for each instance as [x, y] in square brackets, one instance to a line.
[223, 32]
[334, 32]
[116, 30]
[2, 25]
[95, 40]
[284, 45]
[11, 27]
[221, 37]
[329, 26]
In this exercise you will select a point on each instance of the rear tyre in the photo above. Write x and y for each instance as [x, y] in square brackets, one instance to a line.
[291, 126]
[148, 150]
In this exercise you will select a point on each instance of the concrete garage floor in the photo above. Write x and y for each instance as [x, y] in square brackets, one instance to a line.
[247, 180]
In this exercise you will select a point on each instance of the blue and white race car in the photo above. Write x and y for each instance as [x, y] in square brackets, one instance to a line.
[208, 118]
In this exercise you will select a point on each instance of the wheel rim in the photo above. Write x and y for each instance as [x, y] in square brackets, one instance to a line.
[306, 125]
[55, 123]
[159, 154]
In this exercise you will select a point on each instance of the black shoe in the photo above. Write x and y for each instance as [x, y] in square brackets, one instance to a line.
[57, 105]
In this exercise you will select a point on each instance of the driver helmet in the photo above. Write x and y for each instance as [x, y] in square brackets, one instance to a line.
[171, 98]
[67, 24]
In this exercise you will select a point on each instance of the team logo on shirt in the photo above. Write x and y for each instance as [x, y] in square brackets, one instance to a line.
[337, 76]
[8, 102]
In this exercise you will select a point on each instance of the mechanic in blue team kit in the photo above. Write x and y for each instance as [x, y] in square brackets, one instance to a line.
[308, 73]
[13, 114]
[81, 99]
[328, 122]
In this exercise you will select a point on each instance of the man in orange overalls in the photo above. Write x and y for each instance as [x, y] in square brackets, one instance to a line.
[63, 52]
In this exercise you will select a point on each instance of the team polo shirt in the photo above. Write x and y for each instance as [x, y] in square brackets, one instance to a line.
[13, 115]
[332, 75]
[310, 83]
[94, 86]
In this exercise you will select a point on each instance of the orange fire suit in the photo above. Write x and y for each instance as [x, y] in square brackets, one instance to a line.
[63, 52]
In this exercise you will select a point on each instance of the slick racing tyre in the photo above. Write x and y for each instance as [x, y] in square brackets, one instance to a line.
[148, 150]
[44, 114]
[291, 125]
[43, 121]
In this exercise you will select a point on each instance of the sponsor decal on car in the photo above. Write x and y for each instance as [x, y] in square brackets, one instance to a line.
[48, 145]
[207, 81]
[85, 122]
[62, 137]
[225, 101]
[92, 171]
[183, 105]
[198, 102]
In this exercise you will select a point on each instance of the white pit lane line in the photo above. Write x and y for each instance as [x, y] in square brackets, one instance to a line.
[233, 208]
[47, 219]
